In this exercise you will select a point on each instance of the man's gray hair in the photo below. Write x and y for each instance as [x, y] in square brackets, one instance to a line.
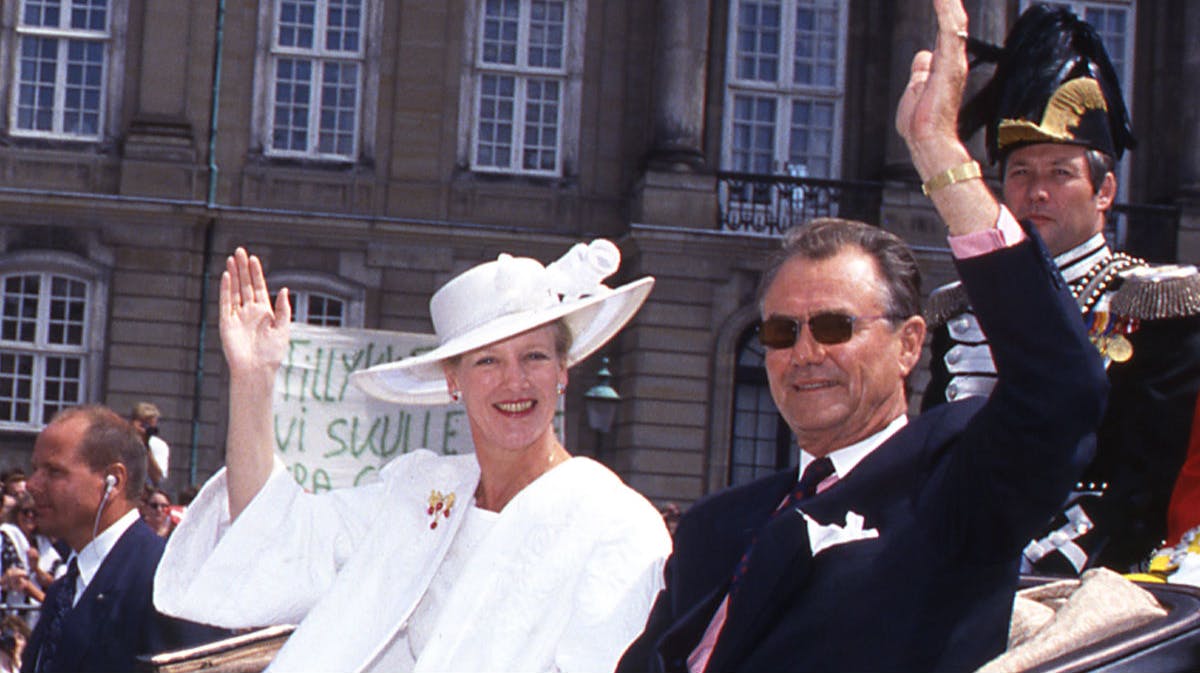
[825, 237]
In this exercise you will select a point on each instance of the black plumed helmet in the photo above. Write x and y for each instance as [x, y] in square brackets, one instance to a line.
[1053, 83]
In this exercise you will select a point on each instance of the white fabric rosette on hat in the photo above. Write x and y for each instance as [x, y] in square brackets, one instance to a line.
[500, 299]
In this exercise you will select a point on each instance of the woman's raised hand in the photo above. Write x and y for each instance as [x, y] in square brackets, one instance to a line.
[254, 334]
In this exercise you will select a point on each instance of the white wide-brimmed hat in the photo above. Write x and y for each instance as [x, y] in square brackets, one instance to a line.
[497, 300]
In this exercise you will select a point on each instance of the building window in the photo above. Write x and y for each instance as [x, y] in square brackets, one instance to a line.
[63, 68]
[761, 441]
[317, 75]
[785, 84]
[325, 301]
[525, 93]
[48, 338]
[317, 308]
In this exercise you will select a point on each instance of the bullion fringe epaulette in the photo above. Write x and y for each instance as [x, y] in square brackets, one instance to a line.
[946, 302]
[1157, 292]
[1139, 291]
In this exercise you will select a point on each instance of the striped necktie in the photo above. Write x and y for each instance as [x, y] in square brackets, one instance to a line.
[817, 471]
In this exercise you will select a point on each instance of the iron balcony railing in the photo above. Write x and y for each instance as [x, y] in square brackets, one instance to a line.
[769, 205]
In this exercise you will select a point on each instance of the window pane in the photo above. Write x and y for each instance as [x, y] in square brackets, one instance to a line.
[297, 23]
[293, 91]
[546, 34]
[339, 108]
[344, 25]
[814, 59]
[38, 72]
[758, 35]
[62, 385]
[20, 299]
[760, 442]
[85, 71]
[89, 14]
[501, 22]
[497, 103]
[16, 387]
[810, 148]
[753, 134]
[1110, 24]
[42, 13]
[325, 310]
[541, 125]
[68, 307]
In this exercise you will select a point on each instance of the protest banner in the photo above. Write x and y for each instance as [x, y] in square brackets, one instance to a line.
[328, 432]
[332, 435]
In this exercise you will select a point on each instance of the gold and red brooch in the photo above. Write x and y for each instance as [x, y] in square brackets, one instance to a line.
[439, 504]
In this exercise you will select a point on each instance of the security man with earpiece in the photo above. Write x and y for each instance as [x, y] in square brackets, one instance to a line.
[89, 467]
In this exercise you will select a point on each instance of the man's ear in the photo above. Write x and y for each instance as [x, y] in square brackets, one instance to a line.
[121, 474]
[912, 340]
[1108, 192]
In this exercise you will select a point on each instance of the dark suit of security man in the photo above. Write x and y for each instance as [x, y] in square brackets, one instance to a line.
[89, 466]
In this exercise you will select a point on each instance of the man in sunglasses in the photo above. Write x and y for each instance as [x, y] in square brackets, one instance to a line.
[897, 547]
[1057, 163]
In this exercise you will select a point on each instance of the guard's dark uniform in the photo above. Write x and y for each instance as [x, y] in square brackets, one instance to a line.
[1145, 321]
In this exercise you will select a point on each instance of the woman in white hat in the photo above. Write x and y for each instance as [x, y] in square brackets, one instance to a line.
[517, 557]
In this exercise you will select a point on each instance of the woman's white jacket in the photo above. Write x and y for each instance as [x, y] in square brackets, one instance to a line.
[564, 580]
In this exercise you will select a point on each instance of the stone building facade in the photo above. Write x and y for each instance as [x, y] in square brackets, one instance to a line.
[368, 150]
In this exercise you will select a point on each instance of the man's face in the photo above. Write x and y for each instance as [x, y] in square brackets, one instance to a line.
[1049, 185]
[66, 491]
[834, 395]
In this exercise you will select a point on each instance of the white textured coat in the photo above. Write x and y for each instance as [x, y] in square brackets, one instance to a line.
[563, 581]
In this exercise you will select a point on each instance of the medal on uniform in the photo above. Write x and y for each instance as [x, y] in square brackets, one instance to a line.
[1119, 348]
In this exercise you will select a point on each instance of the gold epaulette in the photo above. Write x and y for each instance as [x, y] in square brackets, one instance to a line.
[946, 302]
[1157, 292]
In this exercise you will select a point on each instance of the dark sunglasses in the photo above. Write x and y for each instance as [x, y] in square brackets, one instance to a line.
[159, 505]
[28, 512]
[826, 328]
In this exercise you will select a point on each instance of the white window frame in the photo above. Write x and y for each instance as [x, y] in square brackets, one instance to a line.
[303, 284]
[783, 90]
[111, 80]
[570, 83]
[90, 350]
[366, 57]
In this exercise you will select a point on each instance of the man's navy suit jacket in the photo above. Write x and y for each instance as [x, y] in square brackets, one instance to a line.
[954, 495]
[115, 620]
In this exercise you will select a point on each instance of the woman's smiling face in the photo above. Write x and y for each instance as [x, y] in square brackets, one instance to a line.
[510, 389]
